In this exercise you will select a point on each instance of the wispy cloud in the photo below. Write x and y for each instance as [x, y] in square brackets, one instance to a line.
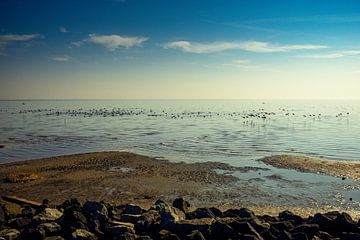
[244, 64]
[111, 42]
[9, 39]
[251, 46]
[333, 55]
[311, 18]
[61, 58]
[17, 38]
[63, 30]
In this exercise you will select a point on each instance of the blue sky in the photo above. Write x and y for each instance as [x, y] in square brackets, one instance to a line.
[179, 49]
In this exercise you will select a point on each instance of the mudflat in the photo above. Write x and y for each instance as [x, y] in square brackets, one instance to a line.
[348, 169]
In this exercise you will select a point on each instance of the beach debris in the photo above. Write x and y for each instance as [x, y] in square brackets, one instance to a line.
[22, 177]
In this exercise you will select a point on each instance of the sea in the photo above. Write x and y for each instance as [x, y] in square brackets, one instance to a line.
[237, 132]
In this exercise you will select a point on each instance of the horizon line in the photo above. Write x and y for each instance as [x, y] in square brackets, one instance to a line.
[167, 99]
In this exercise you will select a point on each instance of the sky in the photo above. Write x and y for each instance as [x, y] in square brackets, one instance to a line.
[179, 49]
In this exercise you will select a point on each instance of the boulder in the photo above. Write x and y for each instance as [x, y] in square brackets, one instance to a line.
[72, 220]
[242, 213]
[118, 229]
[12, 211]
[10, 234]
[244, 228]
[81, 234]
[168, 214]
[50, 228]
[188, 226]
[196, 235]
[48, 215]
[95, 208]
[132, 209]
[200, 213]
[2, 215]
[289, 216]
[181, 204]
[309, 229]
[19, 222]
[219, 229]
[147, 220]
[126, 236]
[54, 238]
[131, 218]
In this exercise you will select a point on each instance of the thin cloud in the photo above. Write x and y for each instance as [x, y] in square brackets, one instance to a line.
[113, 42]
[311, 18]
[63, 30]
[60, 58]
[244, 64]
[9, 39]
[251, 46]
[334, 55]
[17, 38]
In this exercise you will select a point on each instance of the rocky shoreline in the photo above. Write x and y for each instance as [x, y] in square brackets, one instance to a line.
[101, 220]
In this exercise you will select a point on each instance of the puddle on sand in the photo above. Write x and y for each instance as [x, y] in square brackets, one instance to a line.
[121, 169]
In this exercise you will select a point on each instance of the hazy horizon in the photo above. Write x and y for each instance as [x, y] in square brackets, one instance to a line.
[137, 49]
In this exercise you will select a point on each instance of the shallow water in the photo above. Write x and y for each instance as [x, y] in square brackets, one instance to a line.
[235, 132]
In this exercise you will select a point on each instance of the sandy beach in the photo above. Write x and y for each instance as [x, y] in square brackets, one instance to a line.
[123, 177]
[347, 169]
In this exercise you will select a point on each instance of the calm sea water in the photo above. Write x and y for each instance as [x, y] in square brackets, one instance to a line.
[235, 132]
[181, 130]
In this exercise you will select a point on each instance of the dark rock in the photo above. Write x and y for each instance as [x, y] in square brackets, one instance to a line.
[130, 218]
[33, 233]
[345, 223]
[300, 236]
[144, 237]
[132, 209]
[2, 215]
[289, 216]
[19, 223]
[200, 213]
[81, 234]
[309, 229]
[217, 212]
[350, 236]
[186, 227]
[248, 237]
[220, 229]
[54, 238]
[267, 235]
[260, 226]
[28, 212]
[285, 225]
[9, 234]
[126, 236]
[119, 229]
[72, 220]
[196, 235]
[181, 204]
[242, 213]
[325, 236]
[95, 208]
[245, 228]
[147, 220]
[334, 222]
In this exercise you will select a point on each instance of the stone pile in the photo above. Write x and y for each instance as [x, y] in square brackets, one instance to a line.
[100, 220]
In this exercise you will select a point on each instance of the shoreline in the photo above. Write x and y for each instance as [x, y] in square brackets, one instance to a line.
[123, 177]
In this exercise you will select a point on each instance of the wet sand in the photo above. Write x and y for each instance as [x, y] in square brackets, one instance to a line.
[122, 177]
[347, 169]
